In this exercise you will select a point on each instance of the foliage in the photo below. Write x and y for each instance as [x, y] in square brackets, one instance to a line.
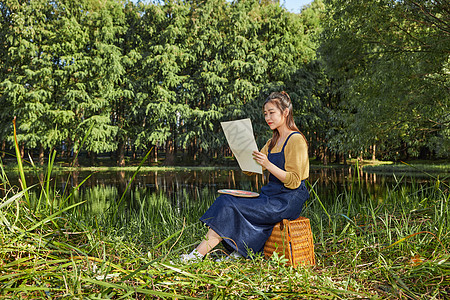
[368, 245]
[163, 73]
[167, 73]
[390, 60]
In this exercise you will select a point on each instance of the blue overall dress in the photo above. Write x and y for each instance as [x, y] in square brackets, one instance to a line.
[245, 224]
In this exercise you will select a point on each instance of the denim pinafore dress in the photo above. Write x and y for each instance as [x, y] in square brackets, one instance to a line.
[245, 224]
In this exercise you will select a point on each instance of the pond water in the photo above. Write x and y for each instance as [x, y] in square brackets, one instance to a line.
[177, 185]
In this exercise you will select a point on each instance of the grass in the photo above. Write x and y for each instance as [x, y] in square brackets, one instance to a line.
[424, 167]
[393, 247]
[390, 246]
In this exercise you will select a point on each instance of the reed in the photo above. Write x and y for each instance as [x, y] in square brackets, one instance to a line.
[91, 244]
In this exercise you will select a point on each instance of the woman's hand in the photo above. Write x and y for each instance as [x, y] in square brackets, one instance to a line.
[261, 159]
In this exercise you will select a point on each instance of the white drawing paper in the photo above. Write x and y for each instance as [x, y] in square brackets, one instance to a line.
[242, 142]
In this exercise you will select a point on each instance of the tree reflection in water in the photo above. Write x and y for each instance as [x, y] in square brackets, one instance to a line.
[195, 185]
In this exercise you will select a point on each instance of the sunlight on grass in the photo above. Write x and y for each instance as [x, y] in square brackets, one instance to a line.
[54, 246]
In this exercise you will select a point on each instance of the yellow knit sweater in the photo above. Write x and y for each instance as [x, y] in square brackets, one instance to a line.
[296, 159]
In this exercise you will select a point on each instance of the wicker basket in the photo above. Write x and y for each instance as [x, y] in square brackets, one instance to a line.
[295, 237]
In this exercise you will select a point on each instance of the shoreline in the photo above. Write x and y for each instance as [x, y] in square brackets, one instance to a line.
[369, 166]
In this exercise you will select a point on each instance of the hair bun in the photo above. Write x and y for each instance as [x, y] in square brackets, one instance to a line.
[285, 94]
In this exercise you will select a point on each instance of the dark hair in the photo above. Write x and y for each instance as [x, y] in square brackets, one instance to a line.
[282, 101]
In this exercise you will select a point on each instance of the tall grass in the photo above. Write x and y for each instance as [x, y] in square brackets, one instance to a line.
[398, 243]
[394, 245]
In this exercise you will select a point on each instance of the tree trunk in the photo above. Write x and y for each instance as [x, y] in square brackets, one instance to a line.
[41, 155]
[192, 151]
[170, 153]
[133, 152]
[69, 151]
[74, 153]
[121, 154]
[22, 150]
[374, 147]
[405, 151]
[3, 149]
[75, 160]
[360, 158]
[325, 156]
[93, 157]
[154, 154]
[337, 158]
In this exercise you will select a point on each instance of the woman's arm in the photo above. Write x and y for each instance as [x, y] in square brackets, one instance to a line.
[296, 162]
[262, 159]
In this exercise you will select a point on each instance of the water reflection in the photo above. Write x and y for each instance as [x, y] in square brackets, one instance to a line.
[178, 184]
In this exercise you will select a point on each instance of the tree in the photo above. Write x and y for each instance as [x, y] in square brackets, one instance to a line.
[143, 75]
[124, 107]
[91, 67]
[6, 112]
[161, 75]
[62, 67]
[28, 84]
[390, 59]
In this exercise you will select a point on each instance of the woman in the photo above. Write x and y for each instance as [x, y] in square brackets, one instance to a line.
[244, 224]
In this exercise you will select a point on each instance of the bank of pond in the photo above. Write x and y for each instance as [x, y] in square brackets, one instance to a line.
[118, 234]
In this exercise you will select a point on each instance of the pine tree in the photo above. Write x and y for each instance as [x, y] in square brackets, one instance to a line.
[91, 67]
[28, 81]
[390, 59]
[124, 106]
[6, 111]
[160, 75]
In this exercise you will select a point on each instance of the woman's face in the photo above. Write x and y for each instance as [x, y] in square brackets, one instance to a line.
[274, 117]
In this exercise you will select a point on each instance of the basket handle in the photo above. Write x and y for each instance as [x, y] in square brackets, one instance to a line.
[283, 223]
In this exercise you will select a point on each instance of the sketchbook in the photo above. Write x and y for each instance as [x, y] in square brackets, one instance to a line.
[242, 142]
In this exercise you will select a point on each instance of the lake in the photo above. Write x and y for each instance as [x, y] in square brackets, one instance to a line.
[159, 203]
[193, 183]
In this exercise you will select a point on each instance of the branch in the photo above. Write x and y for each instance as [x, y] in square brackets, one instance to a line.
[427, 12]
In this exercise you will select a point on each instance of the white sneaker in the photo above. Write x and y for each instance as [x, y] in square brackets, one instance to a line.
[233, 256]
[191, 258]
